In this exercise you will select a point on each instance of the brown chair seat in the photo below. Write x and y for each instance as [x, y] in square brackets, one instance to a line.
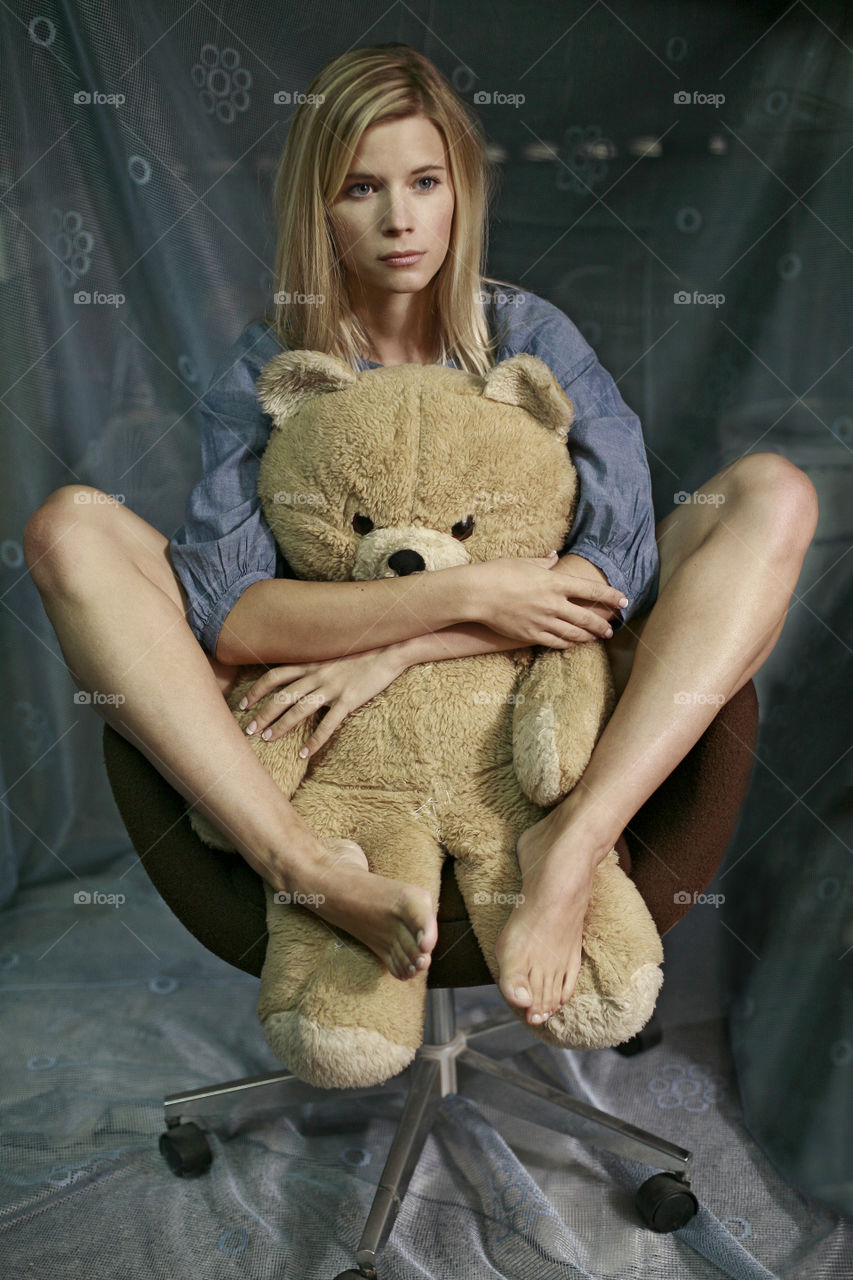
[672, 849]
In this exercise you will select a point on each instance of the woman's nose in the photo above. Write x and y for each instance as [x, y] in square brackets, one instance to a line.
[397, 215]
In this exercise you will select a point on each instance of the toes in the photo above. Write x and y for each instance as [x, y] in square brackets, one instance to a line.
[398, 961]
[536, 1013]
[418, 918]
[516, 991]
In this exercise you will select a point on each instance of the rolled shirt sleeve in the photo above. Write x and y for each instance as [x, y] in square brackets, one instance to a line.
[614, 522]
[225, 543]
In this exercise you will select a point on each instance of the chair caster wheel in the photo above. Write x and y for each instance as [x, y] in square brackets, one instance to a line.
[186, 1151]
[646, 1038]
[354, 1275]
[665, 1202]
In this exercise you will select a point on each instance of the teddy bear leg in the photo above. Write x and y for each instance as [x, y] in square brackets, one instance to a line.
[620, 976]
[562, 705]
[330, 1009]
[280, 758]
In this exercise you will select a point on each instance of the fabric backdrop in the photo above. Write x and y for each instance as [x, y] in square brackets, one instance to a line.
[676, 178]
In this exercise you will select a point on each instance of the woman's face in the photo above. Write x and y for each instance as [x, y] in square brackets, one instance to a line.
[396, 196]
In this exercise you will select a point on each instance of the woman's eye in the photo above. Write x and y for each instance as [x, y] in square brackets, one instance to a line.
[361, 185]
[463, 528]
[362, 524]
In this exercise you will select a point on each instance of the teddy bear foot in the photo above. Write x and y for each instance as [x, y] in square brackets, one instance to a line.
[591, 1020]
[208, 833]
[334, 1057]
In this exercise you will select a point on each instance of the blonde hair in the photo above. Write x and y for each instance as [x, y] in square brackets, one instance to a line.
[353, 92]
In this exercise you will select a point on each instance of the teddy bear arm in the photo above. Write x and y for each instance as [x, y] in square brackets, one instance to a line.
[562, 705]
[280, 758]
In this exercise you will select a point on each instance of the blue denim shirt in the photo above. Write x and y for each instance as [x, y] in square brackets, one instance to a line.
[225, 543]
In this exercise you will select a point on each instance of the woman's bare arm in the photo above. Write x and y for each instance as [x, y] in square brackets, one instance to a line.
[289, 620]
[466, 639]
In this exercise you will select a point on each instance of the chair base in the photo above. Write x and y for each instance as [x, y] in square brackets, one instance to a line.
[665, 1201]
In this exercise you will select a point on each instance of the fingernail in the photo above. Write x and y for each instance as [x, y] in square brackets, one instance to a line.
[412, 969]
[252, 727]
[244, 702]
[304, 752]
[267, 734]
[622, 602]
[608, 633]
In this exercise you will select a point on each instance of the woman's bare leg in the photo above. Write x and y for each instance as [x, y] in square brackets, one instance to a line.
[729, 565]
[119, 613]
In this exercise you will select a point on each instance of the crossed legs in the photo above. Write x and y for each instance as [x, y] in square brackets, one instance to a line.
[729, 561]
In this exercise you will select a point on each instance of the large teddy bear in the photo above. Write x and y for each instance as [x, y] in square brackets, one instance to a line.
[400, 469]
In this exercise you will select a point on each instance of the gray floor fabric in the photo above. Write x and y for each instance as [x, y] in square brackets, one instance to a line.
[109, 1005]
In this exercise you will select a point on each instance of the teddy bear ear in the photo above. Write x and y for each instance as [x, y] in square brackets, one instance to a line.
[294, 376]
[526, 381]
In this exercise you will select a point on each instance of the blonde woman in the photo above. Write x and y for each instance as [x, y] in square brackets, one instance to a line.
[384, 159]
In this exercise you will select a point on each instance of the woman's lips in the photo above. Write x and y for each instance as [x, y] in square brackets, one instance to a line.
[403, 260]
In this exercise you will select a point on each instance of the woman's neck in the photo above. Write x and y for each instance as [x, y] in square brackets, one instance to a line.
[401, 334]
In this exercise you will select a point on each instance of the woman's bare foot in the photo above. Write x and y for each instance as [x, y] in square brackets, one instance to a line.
[539, 950]
[397, 921]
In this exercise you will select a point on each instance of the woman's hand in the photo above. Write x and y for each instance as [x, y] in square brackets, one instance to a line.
[536, 601]
[341, 684]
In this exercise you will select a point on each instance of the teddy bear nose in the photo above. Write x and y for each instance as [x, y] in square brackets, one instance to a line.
[406, 561]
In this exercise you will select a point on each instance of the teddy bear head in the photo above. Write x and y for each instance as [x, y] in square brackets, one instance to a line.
[412, 467]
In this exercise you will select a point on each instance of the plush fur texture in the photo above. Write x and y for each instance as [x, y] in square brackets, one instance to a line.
[455, 757]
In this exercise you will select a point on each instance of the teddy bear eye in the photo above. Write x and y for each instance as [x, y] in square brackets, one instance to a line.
[463, 528]
[362, 524]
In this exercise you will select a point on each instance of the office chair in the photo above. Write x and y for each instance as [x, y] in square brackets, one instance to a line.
[671, 849]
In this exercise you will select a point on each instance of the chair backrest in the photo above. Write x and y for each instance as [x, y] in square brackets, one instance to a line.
[671, 849]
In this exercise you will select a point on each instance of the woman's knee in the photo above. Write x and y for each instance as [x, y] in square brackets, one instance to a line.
[777, 492]
[79, 530]
[49, 534]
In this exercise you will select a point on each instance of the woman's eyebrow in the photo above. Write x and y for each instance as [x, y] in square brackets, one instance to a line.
[412, 172]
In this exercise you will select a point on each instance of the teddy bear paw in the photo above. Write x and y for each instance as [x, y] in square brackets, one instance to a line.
[334, 1057]
[208, 833]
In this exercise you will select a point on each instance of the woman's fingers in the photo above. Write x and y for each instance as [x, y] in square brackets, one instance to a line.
[271, 680]
[278, 723]
[331, 721]
[579, 587]
[286, 708]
